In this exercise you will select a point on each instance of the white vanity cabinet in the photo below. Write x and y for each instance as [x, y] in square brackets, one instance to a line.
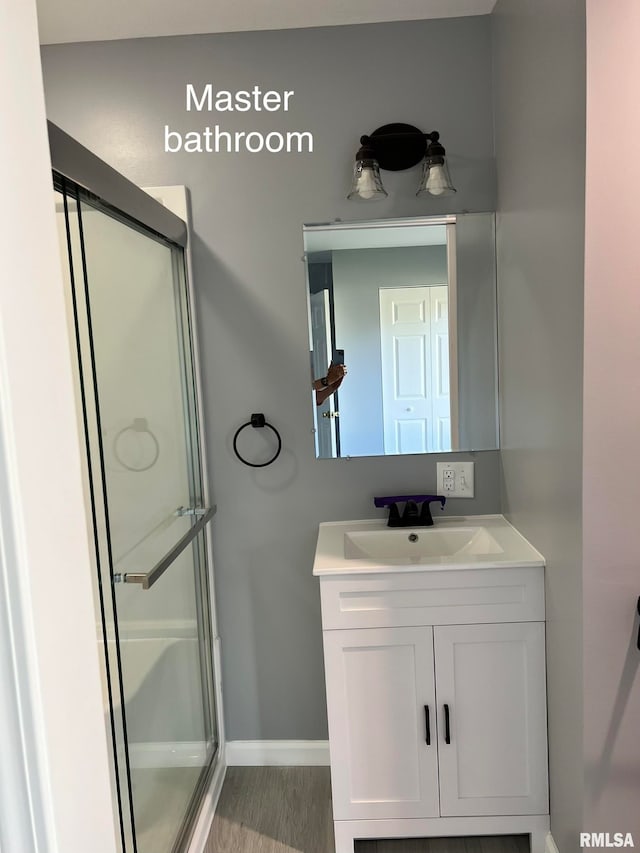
[390, 692]
[491, 679]
[436, 702]
[379, 683]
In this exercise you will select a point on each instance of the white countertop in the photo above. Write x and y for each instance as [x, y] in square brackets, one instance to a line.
[496, 541]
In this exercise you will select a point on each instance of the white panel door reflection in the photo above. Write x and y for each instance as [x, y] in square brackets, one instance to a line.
[414, 340]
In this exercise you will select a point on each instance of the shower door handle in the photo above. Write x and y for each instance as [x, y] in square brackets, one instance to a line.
[147, 579]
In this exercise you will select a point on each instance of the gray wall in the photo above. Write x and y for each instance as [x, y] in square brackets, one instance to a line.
[539, 79]
[357, 276]
[248, 212]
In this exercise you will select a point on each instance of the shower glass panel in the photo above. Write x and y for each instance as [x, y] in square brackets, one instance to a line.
[128, 299]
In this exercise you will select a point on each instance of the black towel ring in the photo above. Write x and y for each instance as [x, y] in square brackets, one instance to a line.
[257, 422]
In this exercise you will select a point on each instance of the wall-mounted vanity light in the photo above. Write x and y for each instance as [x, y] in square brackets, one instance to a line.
[395, 147]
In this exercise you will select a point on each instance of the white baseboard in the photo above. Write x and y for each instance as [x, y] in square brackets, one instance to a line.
[207, 812]
[180, 754]
[550, 846]
[277, 753]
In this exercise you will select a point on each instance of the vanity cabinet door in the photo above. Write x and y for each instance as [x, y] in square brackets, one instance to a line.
[491, 681]
[379, 681]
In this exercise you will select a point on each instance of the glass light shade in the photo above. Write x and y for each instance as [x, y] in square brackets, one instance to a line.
[436, 179]
[367, 183]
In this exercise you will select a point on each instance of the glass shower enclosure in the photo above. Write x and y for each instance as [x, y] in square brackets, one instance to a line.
[129, 308]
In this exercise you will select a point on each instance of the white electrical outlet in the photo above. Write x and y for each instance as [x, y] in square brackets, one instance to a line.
[455, 479]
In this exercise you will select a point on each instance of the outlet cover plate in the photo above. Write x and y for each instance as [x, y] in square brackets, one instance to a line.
[455, 479]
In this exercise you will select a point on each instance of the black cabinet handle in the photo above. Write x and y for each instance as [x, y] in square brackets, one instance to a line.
[427, 725]
[447, 727]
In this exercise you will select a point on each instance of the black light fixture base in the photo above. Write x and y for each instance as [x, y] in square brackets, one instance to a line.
[397, 146]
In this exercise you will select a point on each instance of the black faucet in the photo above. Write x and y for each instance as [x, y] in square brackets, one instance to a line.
[412, 516]
[425, 513]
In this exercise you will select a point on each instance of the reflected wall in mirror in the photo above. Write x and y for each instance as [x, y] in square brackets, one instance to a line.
[412, 303]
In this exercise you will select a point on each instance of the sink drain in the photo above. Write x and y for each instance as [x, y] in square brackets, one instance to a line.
[413, 537]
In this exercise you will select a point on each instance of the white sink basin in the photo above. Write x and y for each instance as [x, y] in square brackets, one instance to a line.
[461, 542]
[400, 545]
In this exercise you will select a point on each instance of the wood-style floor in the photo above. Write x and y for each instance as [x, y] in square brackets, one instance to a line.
[288, 810]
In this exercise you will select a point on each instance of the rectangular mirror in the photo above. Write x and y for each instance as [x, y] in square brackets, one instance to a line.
[409, 305]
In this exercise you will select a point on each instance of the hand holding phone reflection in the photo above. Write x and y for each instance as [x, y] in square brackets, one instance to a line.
[336, 373]
[329, 384]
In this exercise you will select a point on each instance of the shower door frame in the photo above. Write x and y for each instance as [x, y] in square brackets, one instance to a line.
[129, 203]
